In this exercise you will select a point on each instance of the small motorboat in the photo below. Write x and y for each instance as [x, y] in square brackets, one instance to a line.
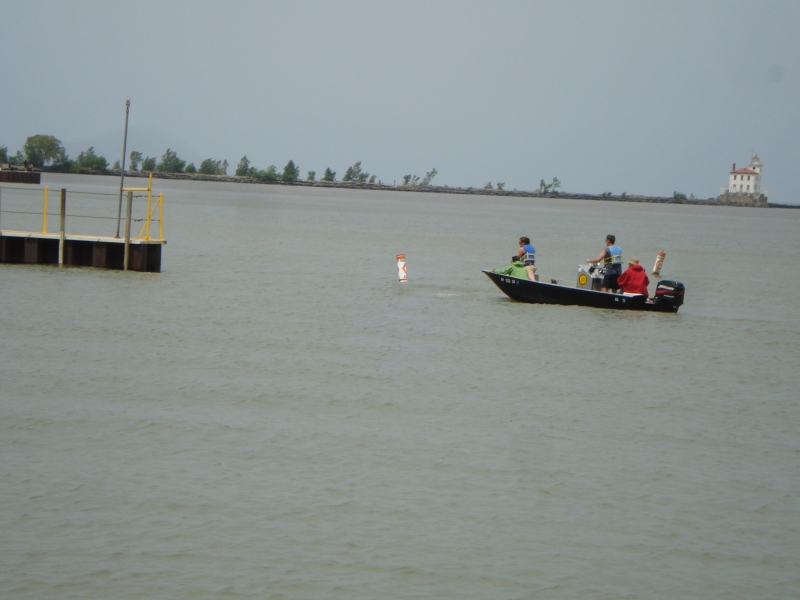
[668, 297]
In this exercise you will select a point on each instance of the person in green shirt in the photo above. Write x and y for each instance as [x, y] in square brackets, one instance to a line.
[515, 269]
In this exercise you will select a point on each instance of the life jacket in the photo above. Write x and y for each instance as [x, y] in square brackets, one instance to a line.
[614, 256]
[529, 257]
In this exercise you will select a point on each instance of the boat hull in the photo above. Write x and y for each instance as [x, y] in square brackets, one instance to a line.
[539, 292]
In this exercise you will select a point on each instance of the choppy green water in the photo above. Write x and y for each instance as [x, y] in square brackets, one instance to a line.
[275, 416]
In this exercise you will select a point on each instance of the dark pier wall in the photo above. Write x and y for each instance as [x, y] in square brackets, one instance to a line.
[20, 177]
[82, 253]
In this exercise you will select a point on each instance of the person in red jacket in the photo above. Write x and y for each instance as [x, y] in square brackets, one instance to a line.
[634, 280]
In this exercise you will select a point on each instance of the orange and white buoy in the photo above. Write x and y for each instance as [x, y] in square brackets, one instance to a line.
[401, 268]
[659, 262]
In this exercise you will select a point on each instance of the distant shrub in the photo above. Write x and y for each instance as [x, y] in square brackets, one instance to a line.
[90, 160]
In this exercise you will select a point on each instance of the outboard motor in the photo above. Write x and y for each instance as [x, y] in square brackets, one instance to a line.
[669, 295]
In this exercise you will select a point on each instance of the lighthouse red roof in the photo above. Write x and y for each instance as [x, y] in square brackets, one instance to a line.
[744, 172]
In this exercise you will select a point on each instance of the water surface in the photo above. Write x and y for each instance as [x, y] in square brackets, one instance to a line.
[275, 416]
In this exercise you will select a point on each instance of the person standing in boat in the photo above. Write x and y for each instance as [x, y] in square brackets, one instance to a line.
[634, 280]
[527, 255]
[611, 256]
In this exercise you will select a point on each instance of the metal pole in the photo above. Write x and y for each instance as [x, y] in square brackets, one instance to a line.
[128, 230]
[62, 239]
[161, 217]
[122, 175]
[44, 210]
[1, 208]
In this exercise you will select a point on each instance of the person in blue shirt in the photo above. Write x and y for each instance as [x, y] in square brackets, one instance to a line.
[611, 257]
[527, 255]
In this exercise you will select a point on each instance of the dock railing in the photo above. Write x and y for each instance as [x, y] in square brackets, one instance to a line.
[17, 207]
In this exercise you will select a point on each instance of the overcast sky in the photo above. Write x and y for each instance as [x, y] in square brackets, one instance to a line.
[639, 97]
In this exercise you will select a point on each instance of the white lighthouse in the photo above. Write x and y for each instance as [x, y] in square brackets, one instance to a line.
[746, 181]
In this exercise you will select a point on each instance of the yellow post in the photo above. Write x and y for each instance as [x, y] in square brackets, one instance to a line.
[161, 217]
[149, 199]
[44, 211]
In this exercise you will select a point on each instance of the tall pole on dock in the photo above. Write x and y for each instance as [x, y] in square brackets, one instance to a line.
[127, 251]
[62, 238]
[122, 175]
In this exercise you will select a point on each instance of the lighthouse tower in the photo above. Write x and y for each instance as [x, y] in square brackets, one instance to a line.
[756, 165]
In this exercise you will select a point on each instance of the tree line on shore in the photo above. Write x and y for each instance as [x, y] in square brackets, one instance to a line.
[47, 151]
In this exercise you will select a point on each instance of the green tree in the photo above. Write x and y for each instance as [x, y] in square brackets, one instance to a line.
[90, 160]
[136, 159]
[429, 177]
[329, 175]
[500, 185]
[355, 173]
[372, 178]
[223, 167]
[3, 154]
[291, 172]
[62, 164]
[170, 163]
[42, 149]
[679, 196]
[268, 174]
[190, 168]
[550, 187]
[210, 167]
[116, 165]
[312, 175]
[406, 179]
[149, 164]
[243, 167]
[488, 186]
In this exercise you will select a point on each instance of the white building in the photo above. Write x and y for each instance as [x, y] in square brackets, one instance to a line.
[746, 181]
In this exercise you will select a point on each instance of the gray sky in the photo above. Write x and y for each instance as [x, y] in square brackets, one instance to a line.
[642, 97]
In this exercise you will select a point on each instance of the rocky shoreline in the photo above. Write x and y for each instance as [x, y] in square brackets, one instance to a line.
[744, 201]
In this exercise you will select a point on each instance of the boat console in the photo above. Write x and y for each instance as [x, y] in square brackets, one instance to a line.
[590, 277]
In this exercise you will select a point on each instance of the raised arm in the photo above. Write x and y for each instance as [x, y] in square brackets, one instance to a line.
[598, 259]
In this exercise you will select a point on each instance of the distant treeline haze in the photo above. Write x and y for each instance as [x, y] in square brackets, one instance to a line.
[47, 150]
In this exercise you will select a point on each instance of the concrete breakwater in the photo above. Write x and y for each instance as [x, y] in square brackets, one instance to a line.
[745, 201]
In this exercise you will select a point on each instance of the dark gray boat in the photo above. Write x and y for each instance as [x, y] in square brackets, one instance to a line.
[668, 298]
